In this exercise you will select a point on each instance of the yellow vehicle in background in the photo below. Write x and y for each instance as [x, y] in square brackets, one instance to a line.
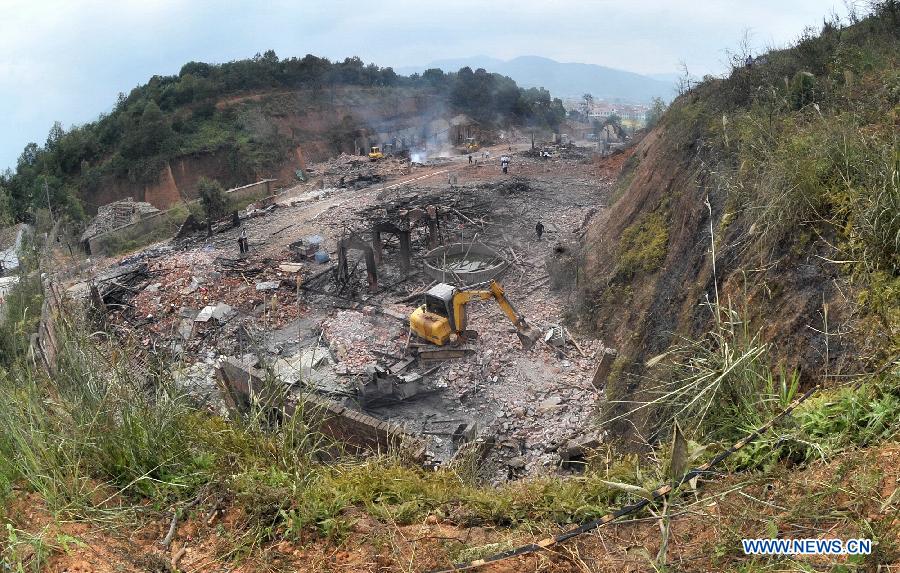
[443, 319]
[471, 145]
[375, 153]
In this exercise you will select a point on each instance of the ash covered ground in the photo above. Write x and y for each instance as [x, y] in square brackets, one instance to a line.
[323, 328]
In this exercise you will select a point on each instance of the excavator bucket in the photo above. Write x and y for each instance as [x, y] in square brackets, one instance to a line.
[528, 336]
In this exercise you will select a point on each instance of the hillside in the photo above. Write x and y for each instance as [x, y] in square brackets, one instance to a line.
[718, 301]
[762, 214]
[565, 79]
[251, 119]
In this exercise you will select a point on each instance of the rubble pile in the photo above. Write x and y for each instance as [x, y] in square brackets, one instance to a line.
[355, 336]
[194, 297]
[111, 287]
[198, 380]
[510, 186]
[118, 214]
[200, 299]
[357, 171]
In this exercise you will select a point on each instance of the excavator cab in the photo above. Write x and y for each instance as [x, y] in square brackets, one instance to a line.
[439, 300]
[432, 320]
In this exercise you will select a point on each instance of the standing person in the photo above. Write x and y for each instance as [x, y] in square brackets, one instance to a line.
[470, 158]
[539, 229]
[243, 244]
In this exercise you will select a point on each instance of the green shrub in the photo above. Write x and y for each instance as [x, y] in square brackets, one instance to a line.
[829, 423]
[803, 87]
[642, 246]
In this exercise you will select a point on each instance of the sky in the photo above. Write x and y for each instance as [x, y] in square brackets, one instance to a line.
[67, 60]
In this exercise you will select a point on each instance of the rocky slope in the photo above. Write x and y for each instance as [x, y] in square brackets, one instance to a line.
[768, 199]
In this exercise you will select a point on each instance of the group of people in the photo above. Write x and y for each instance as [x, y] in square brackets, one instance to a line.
[504, 160]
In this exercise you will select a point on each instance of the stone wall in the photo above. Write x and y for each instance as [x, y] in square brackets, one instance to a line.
[252, 191]
[102, 243]
[242, 384]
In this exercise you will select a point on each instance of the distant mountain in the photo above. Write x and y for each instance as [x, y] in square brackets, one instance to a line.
[670, 77]
[565, 79]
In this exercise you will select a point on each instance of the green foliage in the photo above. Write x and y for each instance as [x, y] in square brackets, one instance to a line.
[21, 313]
[100, 428]
[655, 113]
[851, 417]
[802, 150]
[880, 298]
[831, 422]
[90, 423]
[22, 552]
[173, 116]
[642, 246]
[213, 200]
[613, 119]
[6, 207]
[803, 88]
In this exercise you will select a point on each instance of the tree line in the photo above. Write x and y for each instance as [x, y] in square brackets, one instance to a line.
[172, 116]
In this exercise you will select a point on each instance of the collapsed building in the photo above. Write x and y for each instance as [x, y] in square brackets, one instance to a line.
[116, 215]
[321, 305]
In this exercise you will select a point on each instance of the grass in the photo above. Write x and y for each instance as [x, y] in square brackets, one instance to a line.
[23, 551]
[642, 246]
[110, 432]
[724, 385]
[19, 316]
[811, 166]
[832, 422]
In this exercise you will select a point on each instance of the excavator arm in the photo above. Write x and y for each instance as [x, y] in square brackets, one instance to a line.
[527, 335]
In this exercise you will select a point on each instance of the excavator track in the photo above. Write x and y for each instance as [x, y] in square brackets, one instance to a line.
[441, 353]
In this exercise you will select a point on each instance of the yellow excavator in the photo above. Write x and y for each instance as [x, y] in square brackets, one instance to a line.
[442, 319]
[375, 153]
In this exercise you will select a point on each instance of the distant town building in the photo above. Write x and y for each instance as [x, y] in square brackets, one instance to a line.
[602, 109]
[636, 113]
